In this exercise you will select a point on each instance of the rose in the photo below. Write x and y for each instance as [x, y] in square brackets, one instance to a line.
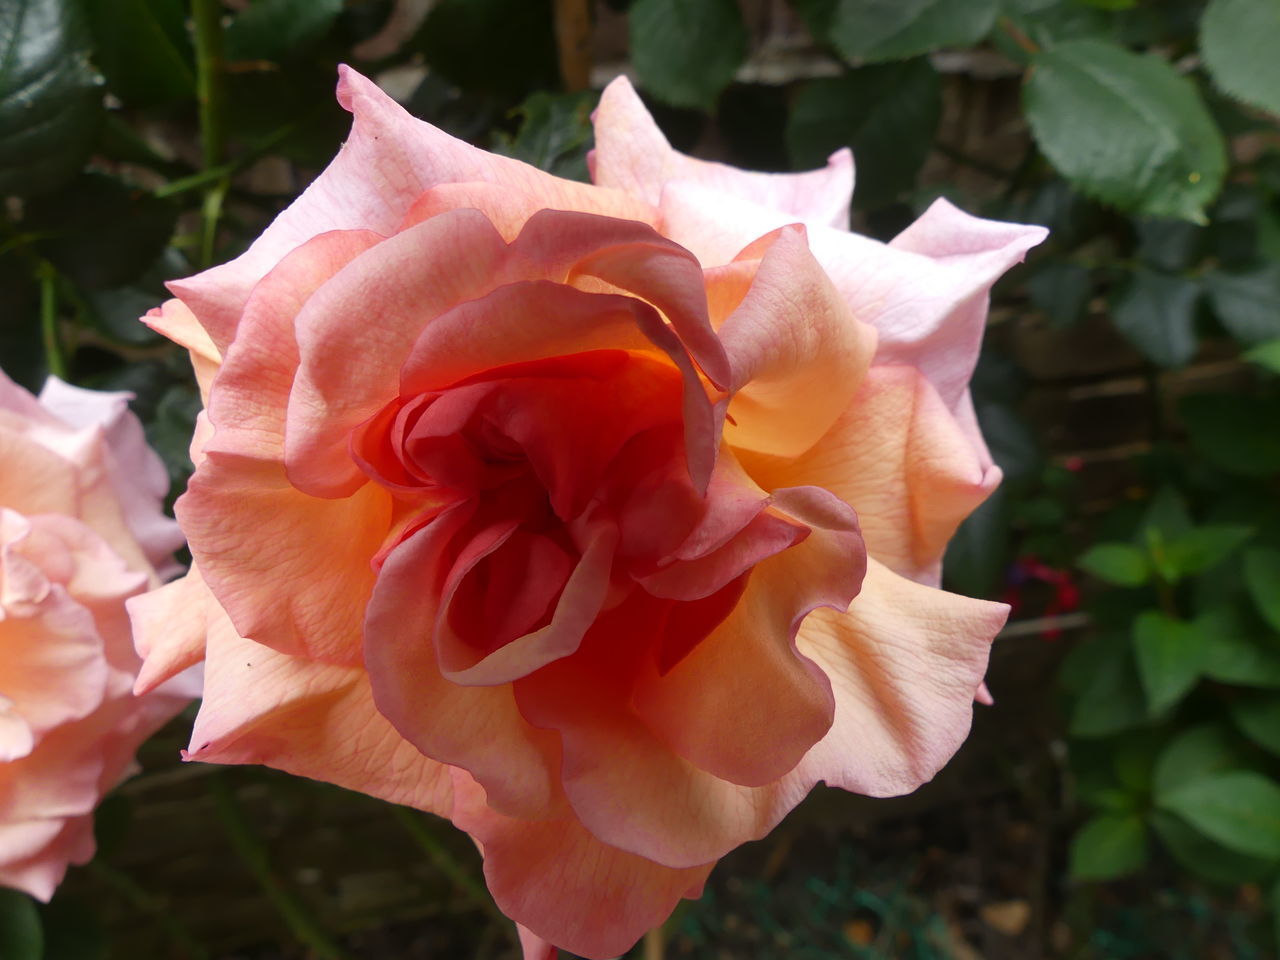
[81, 529]
[536, 504]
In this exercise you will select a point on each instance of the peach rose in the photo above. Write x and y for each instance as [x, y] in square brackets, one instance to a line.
[81, 529]
[603, 520]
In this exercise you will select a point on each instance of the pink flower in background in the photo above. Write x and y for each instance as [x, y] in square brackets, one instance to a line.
[602, 520]
[81, 530]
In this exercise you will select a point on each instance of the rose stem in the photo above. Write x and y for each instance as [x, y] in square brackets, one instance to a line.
[49, 321]
[124, 885]
[251, 850]
[210, 66]
[444, 861]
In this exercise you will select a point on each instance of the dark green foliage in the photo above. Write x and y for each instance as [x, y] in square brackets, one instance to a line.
[887, 113]
[50, 95]
[686, 51]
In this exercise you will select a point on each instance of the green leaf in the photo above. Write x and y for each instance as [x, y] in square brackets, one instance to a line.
[1170, 654]
[555, 133]
[868, 30]
[517, 38]
[1197, 753]
[21, 937]
[142, 47]
[1238, 808]
[1202, 856]
[1258, 715]
[50, 96]
[1202, 548]
[1237, 433]
[1157, 312]
[1108, 846]
[1247, 302]
[1262, 576]
[1266, 356]
[1111, 699]
[279, 30]
[1167, 513]
[1125, 128]
[1239, 40]
[1061, 289]
[1120, 564]
[101, 232]
[1239, 651]
[686, 51]
[887, 113]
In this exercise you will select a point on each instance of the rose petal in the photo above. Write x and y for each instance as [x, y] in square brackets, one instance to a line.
[904, 663]
[900, 459]
[564, 885]
[169, 628]
[309, 719]
[388, 161]
[631, 154]
[276, 586]
[258, 373]
[797, 354]
[39, 852]
[478, 728]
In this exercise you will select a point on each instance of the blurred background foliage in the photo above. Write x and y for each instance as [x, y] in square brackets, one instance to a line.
[1121, 798]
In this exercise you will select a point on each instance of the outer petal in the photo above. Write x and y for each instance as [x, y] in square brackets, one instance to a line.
[564, 885]
[389, 160]
[900, 459]
[280, 586]
[137, 474]
[926, 296]
[254, 383]
[169, 628]
[631, 154]
[38, 852]
[174, 319]
[308, 719]
[905, 663]
[796, 352]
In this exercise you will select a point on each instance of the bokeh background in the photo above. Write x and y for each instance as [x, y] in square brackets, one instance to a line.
[1120, 800]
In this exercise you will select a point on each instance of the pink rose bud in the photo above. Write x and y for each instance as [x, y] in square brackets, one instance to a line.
[602, 520]
[81, 530]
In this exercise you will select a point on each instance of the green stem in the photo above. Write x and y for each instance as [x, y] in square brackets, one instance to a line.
[255, 857]
[444, 861]
[139, 898]
[54, 358]
[210, 68]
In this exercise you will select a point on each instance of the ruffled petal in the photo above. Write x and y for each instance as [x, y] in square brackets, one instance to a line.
[474, 727]
[797, 353]
[632, 155]
[282, 586]
[412, 278]
[255, 380]
[905, 663]
[309, 719]
[565, 886]
[388, 161]
[38, 852]
[901, 460]
[169, 629]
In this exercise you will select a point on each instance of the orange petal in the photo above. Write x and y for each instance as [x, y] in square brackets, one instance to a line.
[565, 886]
[309, 719]
[904, 663]
[284, 584]
[899, 458]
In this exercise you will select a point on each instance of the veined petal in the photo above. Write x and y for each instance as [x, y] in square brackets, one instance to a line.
[631, 154]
